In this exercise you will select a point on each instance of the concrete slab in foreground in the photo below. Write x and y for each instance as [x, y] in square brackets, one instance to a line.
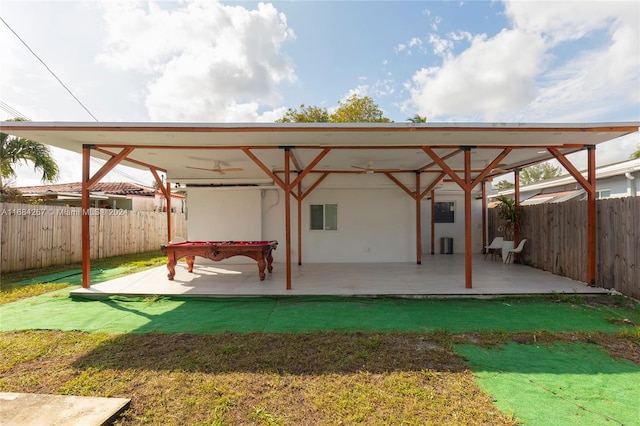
[19, 409]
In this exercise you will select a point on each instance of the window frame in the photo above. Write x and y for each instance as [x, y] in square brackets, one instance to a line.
[325, 213]
[452, 209]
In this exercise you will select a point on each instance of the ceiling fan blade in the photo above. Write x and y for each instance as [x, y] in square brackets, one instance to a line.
[358, 167]
[217, 170]
[201, 168]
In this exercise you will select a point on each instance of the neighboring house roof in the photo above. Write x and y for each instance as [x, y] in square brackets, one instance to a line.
[545, 187]
[552, 197]
[107, 188]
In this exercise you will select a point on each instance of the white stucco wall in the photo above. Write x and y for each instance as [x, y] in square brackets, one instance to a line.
[375, 224]
[224, 214]
[452, 230]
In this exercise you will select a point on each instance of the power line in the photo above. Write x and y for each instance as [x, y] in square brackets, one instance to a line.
[14, 112]
[48, 69]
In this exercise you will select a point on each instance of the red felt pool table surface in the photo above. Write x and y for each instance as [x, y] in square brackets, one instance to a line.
[260, 251]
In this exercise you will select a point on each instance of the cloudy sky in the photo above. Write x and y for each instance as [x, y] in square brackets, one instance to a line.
[208, 61]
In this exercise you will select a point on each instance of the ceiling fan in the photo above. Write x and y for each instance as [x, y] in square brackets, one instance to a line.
[371, 170]
[217, 168]
[498, 169]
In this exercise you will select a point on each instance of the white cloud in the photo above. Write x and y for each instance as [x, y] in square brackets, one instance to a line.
[415, 41]
[205, 61]
[520, 75]
[492, 76]
[441, 46]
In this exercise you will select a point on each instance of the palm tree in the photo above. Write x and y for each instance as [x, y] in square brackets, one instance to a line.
[14, 150]
[417, 119]
[636, 153]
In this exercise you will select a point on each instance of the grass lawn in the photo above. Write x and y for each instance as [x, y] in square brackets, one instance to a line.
[444, 373]
[13, 287]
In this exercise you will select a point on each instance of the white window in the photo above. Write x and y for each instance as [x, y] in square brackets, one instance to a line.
[602, 193]
[324, 217]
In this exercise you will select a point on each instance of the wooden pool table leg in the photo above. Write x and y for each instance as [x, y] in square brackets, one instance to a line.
[190, 261]
[261, 265]
[269, 262]
[171, 266]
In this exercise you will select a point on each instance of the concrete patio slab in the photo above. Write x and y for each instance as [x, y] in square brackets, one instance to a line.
[18, 409]
[438, 275]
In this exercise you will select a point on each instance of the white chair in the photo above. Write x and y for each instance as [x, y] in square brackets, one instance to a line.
[512, 253]
[496, 244]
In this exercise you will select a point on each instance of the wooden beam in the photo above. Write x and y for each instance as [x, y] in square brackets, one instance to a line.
[160, 183]
[287, 214]
[311, 165]
[411, 193]
[516, 194]
[433, 221]
[446, 157]
[108, 166]
[483, 187]
[294, 160]
[85, 224]
[445, 167]
[322, 129]
[168, 204]
[299, 223]
[314, 185]
[588, 186]
[131, 160]
[266, 169]
[418, 221]
[491, 166]
[591, 216]
[468, 247]
[432, 185]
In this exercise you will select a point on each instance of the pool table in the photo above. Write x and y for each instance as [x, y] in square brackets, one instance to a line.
[260, 251]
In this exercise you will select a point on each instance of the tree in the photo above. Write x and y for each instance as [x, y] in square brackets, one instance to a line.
[417, 119]
[356, 109]
[504, 185]
[636, 154]
[510, 216]
[14, 150]
[538, 172]
[306, 114]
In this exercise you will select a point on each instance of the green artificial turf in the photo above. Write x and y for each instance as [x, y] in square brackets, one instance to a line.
[58, 311]
[74, 276]
[558, 384]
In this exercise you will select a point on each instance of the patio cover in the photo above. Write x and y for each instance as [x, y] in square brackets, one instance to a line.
[297, 157]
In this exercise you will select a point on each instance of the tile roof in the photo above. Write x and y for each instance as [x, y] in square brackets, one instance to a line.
[112, 188]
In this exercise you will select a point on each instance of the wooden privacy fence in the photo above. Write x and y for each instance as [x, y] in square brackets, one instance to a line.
[35, 236]
[557, 241]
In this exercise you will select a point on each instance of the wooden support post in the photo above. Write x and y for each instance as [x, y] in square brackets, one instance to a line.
[287, 212]
[168, 204]
[591, 216]
[299, 223]
[484, 214]
[85, 224]
[516, 229]
[589, 185]
[433, 221]
[418, 221]
[468, 247]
